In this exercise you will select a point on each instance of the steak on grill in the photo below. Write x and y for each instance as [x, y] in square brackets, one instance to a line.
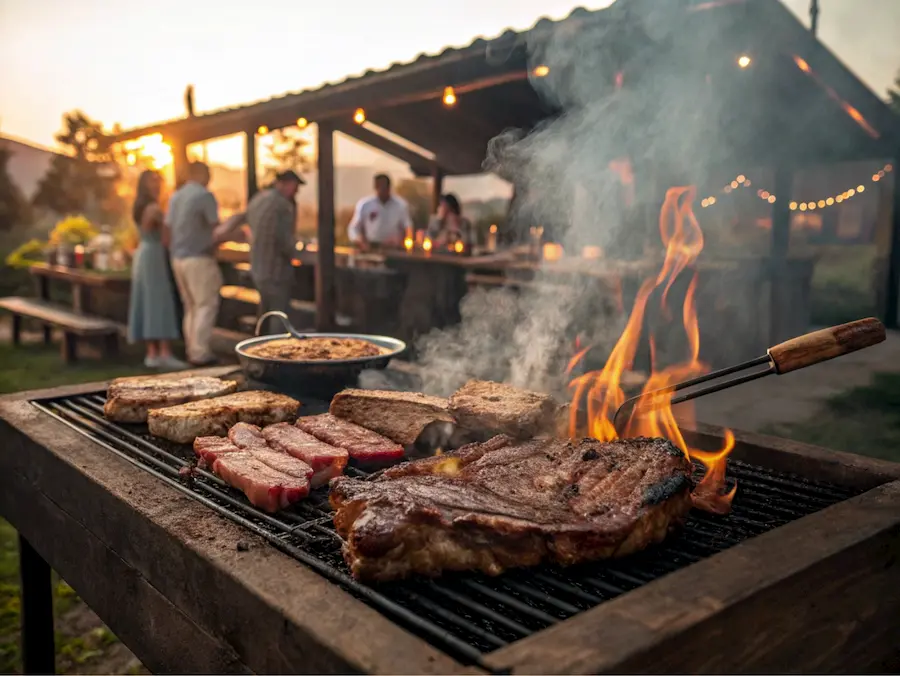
[327, 461]
[504, 504]
[363, 445]
[265, 487]
[399, 416]
[503, 409]
[128, 400]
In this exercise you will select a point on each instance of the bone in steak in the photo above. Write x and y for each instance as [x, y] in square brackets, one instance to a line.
[326, 460]
[363, 445]
[399, 416]
[503, 504]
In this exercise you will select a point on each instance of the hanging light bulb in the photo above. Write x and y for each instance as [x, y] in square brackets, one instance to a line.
[793, 206]
[302, 122]
[449, 97]
[541, 71]
[262, 130]
[744, 61]
[359, 116]
[829, 201]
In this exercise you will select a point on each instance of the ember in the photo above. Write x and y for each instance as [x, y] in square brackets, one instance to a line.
[602, 389]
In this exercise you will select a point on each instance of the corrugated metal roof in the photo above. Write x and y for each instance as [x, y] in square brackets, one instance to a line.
[477, 44]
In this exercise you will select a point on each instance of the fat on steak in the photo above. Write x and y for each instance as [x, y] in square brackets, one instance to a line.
[245, 435]
[213, 417]
[504, 504]
[128, 400]
[326, 460]
[503, 409]
[265, 487]
[363, 445]
[399, 416]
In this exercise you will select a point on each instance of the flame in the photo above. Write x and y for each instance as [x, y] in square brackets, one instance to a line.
[602, 391]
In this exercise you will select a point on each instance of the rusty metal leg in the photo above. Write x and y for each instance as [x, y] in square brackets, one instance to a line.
[38, 649]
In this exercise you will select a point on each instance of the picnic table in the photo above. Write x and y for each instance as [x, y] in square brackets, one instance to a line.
[83, 282]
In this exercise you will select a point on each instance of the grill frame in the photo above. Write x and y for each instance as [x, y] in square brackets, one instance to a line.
[91, 409]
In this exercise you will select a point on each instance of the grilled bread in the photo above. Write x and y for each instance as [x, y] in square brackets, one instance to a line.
[399, 416]
[212, 417]
[129, 399]
[503, 409]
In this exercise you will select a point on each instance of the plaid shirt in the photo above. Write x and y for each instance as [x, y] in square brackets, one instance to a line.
[271, 218]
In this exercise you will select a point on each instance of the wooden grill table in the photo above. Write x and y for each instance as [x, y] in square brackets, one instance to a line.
[188, 590]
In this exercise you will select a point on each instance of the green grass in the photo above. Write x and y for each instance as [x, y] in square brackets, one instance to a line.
[28, 367]
[865, 420]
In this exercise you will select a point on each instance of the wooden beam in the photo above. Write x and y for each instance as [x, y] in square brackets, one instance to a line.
[437, 187]
[325, 267]
[781, 236]
[418, 163]
[893, 277]
[179, 161]
[250, 156]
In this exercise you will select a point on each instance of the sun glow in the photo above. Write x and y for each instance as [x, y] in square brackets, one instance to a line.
[152, 150]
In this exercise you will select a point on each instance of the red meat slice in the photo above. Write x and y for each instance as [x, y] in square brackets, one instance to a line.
[210, 448]
[326, 460]
[265, 487]
[363, 445]
[245, 435]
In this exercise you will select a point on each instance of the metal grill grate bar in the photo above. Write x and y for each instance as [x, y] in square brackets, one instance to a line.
[465, 615]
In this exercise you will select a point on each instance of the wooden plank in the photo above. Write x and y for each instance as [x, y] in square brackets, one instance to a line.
[419, 164]
[276, 615]
[794, 457]
[62, 273]
[325, 285]
[58, 315]
[250, 160]
[819, 595]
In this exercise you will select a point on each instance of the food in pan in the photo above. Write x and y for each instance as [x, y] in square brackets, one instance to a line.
[183, 423]
[503, 409]
[362, 444]
[503, 504]
[128, 400]
[399, 416]
[316, 349]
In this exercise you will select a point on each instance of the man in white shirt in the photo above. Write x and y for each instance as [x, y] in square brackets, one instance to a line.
[382, 219]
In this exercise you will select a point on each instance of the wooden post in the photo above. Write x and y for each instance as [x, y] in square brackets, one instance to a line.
[778, 256]
[37, 611]
[325, 288]
[437, 186]
[179, 161]
[893, 277]
[250, 154]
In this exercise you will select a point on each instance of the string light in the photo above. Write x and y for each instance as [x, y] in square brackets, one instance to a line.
[541, 71]
[449, 96]
[359, 116]
[744, 61]
[262, 130]
[766, 196]
[302, 122]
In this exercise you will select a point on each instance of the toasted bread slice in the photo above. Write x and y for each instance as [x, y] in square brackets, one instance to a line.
[129, 399]
[212, 417]
[399, 416]
[497, 408]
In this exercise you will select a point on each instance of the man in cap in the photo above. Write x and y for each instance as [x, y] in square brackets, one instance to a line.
[271, 215]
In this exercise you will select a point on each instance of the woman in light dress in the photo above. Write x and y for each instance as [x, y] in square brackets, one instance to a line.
[153, 310]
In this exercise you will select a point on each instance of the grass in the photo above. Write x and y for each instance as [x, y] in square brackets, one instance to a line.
[865, 420]
[35, 366]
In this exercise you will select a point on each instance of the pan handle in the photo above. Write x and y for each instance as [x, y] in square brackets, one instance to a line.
[825, 344]
[274, 313]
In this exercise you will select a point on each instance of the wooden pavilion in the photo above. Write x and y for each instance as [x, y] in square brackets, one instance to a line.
[772, 93]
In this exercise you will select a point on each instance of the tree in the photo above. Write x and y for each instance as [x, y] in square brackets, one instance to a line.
[83, 179]
[288, 149]
[14, 208]
[894, 94]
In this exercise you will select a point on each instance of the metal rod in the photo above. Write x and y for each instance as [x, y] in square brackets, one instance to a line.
[38, 649]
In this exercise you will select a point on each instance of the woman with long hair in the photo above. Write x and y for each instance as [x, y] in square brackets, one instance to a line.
[153, 313]
[449, 226]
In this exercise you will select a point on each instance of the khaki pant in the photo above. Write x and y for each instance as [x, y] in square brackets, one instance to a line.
[199, 281]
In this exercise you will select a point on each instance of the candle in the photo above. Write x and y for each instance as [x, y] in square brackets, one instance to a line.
[426, 245]
[458, 247]
[408, 244]
[79, 255]
[552, 252]
[492, 239]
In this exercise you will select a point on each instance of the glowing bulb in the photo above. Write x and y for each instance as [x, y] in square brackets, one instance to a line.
[821, 204]
[811, 206]
[764, 194]
[771, 199]
[493, 229]
[876, 177]
[803, 206]
[458, 247]
[747, 183]
[302, 122]
[426, 244]
[888, 167]
[131, 159]
[408, 243]
[727, 189]
[744, 61]
[793, 206]
[801, 64]
[704, 203]
[541, 71]
[829, 201]
[839, 199]
[712, 200]
[262, 130]
[741, 179]
[359, 116]
[734, 184]
[851, 192]
[860, 188]
[449, 96]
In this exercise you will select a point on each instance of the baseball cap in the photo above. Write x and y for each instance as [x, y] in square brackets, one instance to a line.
[289, 175]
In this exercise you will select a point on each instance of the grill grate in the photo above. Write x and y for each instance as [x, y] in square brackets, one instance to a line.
[466, 615]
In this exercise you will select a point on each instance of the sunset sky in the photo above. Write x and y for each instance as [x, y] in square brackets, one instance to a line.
[129, 62]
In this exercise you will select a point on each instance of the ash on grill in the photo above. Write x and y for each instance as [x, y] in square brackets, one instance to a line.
[466, 615]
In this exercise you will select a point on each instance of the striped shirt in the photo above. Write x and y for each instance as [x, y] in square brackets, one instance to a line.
[271, 218]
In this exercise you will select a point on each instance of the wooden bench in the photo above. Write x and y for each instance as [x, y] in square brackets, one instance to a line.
[74, 326]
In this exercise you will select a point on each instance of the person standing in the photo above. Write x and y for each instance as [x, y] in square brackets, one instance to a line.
[271, 215]
[382, 219]
[192, 218]
[448, 226]
[152, 310]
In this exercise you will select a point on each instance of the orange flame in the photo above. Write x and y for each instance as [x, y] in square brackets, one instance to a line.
[602, 390]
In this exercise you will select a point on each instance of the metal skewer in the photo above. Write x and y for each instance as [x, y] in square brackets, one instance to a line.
[796, 353]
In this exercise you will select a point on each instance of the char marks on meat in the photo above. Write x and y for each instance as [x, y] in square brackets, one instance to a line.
[363, 445]
[503, 409]
[504, 504]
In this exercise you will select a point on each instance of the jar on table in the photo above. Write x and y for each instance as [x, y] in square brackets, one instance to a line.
[102, 247]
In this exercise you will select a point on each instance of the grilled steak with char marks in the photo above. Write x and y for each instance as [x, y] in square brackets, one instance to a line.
[503, 409]
[129, 400]
[363, 445]
[504, 504]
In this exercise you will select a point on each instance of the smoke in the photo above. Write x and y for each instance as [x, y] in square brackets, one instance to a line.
[628, 125]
